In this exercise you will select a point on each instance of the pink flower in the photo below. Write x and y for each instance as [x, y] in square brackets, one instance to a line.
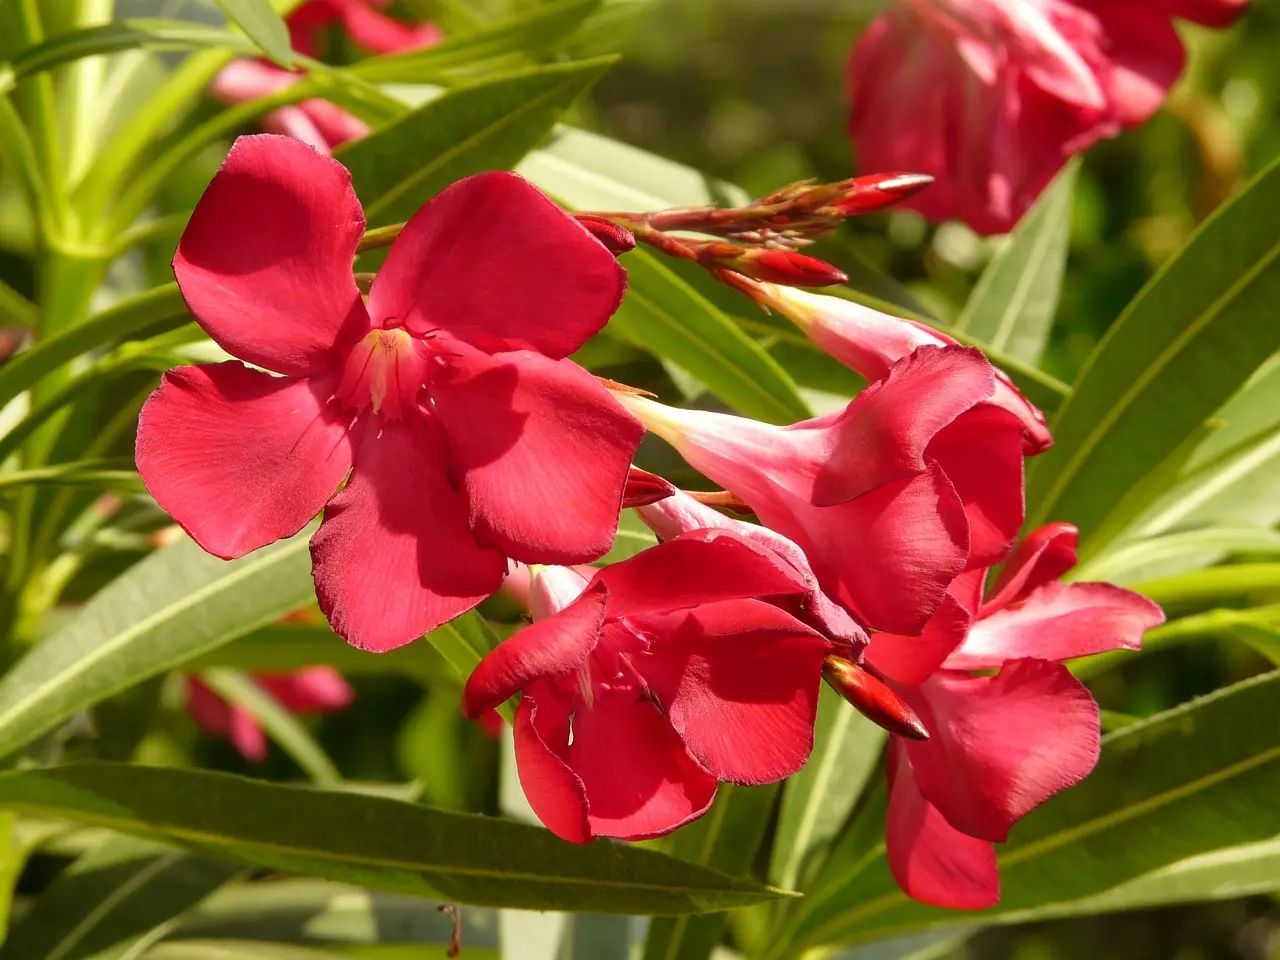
[870, 343]
[1002, 743]
[311, 690]
[992, 96]
[360, 20]
[915, 481]
[468, 436]
[650, 683]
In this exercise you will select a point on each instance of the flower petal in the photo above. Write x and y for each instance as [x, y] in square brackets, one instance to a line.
[492, 262]
[639, 779]
[1044, 554]
[1057, 622]
[238, 457]
[739, 682]
[553, 790]
[542, 452]
[932, 861]
[551, 647]
[692, 570]
[1001, 745]
[393, 557]
[309, 690]
[265, 262]
[912, 660]
[381, 34]
[884, 432]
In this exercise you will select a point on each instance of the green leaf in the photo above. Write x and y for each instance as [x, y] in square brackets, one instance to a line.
[487, 125]
[174, 605]
[284, 649]
[817, 801]
[1190, 339]
[262, 25]
[537, 31]
[237, 950]
[1120, 563]
[671, 320]
[1212, 585]
[113, 900]
[113, 473]
[280, 725]
[374, 842]
[463, 642]
[1012, 306]
[1185, 783]
[727, 838]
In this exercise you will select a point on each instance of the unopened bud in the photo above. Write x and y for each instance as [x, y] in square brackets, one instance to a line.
[616, 239]
[872, 698]
[784, 267]
[643, 488]
[865, 194]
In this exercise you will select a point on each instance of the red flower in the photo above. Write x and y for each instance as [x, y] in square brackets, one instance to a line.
[1000, 744]
[468, 437]
[916, 481]
[310, 690]
[360, 20]
[992, 96]
[870, 343]
[649, 684]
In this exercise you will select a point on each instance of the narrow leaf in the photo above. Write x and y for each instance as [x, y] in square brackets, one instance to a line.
[262, 25]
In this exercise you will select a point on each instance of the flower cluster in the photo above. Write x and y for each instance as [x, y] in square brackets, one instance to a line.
[991, 97]
[439, 426]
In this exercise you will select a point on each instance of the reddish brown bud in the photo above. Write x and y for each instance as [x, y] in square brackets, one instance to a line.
[864, 194]
[617, 239]
[872, 698]
[644, 488]
[788, 268]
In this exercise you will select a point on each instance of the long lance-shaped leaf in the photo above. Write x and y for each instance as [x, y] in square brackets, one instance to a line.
[374, 842]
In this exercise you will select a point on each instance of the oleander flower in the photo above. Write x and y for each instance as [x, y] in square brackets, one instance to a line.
[467, 436]
[991, 97]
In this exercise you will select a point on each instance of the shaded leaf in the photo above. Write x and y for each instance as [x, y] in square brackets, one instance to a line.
[262, 25]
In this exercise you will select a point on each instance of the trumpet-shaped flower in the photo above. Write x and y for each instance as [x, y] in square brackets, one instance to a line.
[645, 686]
[1002, 743]
[890, 499]
[447, 398]
[991, 97]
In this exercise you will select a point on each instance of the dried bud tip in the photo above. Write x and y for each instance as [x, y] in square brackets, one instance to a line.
[873, 699]
[616, 239]
[720, 498]
[616, 387]
[644, 488]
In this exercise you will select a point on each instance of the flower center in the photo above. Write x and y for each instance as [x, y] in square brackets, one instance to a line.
[384, 371]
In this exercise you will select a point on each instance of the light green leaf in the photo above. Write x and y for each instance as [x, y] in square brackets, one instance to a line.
[280, 725]
[667, 317]
[1120, 563]
[632, 537]
[463, 642]
[1191, 338]
[174, 605]
[487, 125]
[1012, 306]
[1195, 780]
[1212, 585]
[284, 649]
[113, 900]
[113, 473]
[237, 950]
[817, 801]
[374, 842]
[262, 25]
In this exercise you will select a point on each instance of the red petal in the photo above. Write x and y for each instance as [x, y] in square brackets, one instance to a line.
[884, 433]
[912, 660]
[549, 648]
[309, 690]
[238, 457]
[246, 735]
[380, 34]
[639, 779]
[689, 571]
[1002, 745]
[491, 261]
[1044, 555]
[393, 558]
[1057, 622]
[981, 454]
[739, 682]
[265, 261]
[932, 861]
[553, 790]
[542, 451]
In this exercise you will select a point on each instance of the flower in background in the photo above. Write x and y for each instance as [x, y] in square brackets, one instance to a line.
[890, 499]
[313, 121]
[1003, 742]
[652, 682]
[310, 690]
[468, 436]
[991, 97]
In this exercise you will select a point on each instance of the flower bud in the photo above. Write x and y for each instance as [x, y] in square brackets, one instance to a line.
[865, 194]
[617, 240]
[644, 488]
[872, 698]
[784, 267]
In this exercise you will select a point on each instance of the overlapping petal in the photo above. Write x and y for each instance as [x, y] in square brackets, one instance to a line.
[494, 263]
[265, 261]
[1043, 555]
[238, 457]
[553, 790]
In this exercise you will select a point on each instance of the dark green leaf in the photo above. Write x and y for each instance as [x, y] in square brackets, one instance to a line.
[374, 842]
[262, 25]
